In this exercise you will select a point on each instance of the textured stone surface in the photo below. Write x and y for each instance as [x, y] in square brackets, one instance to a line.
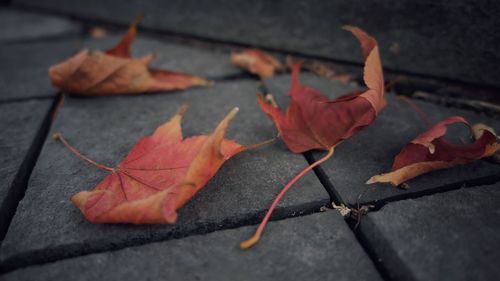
[441, 38]
[21, 26]
[447, 236]
[105, 129]
[20, 124]
[24, 71]
[174, 56]
[313, 247]
[372, 150]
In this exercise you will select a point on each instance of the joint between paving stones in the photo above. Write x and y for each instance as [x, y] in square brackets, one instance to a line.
[19, 185]
[325, 181]
[377, 205]
[234, 77]
[382, 266]
[61, 252]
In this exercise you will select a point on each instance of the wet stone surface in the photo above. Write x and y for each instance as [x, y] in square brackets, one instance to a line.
[21, 122]
[447, 236]
[20, 26]
[372, 150]
[311, 247]
[47, 225]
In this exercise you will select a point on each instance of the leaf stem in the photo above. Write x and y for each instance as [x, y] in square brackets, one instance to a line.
[260, 144]
[255, 238]
[59, 137]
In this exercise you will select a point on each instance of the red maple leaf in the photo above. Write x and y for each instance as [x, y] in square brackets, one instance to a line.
[312, 121]
[430, 151]
[159, 175]
[114, 72]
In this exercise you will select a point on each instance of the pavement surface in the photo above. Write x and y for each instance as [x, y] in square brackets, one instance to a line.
[444, 227]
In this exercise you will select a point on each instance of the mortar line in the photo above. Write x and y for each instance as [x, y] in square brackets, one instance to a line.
[471, 183]
[20, 182]
[335, 197]
[68, 251]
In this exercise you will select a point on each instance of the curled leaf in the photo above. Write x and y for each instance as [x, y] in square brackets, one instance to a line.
[159, 175]
[114, 72]
[430, 151]
[312, 121]
[256, 62]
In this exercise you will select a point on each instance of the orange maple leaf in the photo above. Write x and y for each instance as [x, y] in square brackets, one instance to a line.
[114, 72]
[159, 175]
[430, 151]
[256, 62]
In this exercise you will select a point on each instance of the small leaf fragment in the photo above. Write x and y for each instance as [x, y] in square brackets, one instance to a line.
[257, 62]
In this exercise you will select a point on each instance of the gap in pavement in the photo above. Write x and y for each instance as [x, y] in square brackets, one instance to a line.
[471, 183]
[20, 183]
[57, 253]
[356, 224]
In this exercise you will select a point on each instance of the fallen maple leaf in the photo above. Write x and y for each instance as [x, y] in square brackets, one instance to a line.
[312, 121]
[430, 151]
[159, 175]
[257, 62]
[114, 72]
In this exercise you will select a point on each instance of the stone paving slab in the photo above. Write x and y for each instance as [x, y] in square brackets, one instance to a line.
[313, 247]
[21, 122]
[24, 71]
[442, 38]
[174, 56]
[105, 129]
[446, 236]
[372, 150]
[20, 25]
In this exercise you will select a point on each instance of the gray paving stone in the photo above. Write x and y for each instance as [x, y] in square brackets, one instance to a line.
[446, 236]
[20, 25]
[21, 122]
[313, 247]
[105, 129]
[442, 38]
[176, 57]
[372, 150]
[24, 71]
